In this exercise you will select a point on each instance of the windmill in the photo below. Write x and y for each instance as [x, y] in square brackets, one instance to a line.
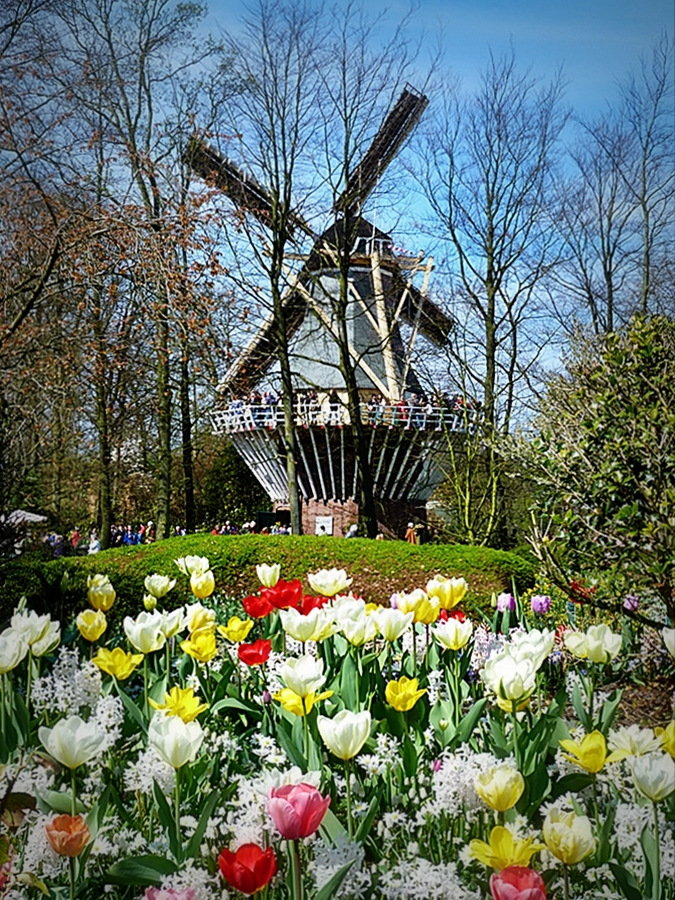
[406, 441]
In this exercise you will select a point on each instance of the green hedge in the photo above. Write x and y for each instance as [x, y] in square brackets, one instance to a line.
[377, 567]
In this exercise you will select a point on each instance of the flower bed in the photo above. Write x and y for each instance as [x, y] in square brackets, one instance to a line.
[300, 744]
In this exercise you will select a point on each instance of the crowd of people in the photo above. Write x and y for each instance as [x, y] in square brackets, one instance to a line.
[263, 410]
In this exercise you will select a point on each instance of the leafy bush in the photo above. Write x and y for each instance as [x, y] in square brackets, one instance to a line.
[378, 568]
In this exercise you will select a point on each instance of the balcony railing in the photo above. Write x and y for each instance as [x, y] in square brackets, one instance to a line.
[240, 416]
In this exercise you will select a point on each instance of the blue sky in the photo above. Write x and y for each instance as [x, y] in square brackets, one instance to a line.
[597, 41]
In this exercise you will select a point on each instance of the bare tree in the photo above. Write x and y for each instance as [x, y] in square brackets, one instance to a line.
[487, 173]
[617, 208]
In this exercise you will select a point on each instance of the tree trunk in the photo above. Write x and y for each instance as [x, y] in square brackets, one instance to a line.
[186, 434]
[163, 423]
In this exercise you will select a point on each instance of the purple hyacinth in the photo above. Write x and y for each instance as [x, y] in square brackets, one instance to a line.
[540, 603]
[506, 602]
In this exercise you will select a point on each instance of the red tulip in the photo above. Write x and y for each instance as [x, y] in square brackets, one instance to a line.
[284, 594]
[309, 603]
[255, 654]
[297, 810]
[517, 883]
[257, 606]
[249, 869]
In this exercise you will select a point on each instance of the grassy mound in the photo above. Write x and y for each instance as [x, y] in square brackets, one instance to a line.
[377, 567]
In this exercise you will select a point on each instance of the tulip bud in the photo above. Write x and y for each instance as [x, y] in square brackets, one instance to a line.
[68, 835]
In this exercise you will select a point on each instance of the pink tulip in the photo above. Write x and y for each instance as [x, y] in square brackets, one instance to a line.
[153, 893]
[296, 810]
[517, 883]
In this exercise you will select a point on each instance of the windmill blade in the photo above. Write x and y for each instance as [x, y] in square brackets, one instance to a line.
[431, 321]
[244, 191]
[394, 130]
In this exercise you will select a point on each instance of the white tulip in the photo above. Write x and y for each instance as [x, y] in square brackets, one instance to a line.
[172, 623]
[268, 575]
[13, 649]
[49, 640]
[358, 629]
[668, 635]
[535, 645]
[598, 644]
[303, 675]
[654, 775]
[73, 741]
[30, 626]
[190, 564]
[346, 734]
[145, 631]
[391, 623]
[315, 626]
[513, 681]
[176, 741]
[159, 585]
[329, 582]
[454, 634]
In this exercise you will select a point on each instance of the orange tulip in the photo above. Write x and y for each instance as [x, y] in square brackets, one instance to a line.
[68, 835]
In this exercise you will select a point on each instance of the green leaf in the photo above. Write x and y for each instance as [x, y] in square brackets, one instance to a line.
[468, 723]
[580, 709]
[626, 882]
[131, 708]
[142, 871]
[651, 853]
[331, 828]
[409, 757]
[166, 817]
[55, 801]
[572, 783]
[233, 703]
[608, 711]
[333, 886]
[195, 841]
[366, 823]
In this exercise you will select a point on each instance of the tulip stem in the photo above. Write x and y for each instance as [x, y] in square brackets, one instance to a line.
[179, 844]
[305, 731]
[566, 883]
[2, 705]
[146, 705]
[516, 748]
[296, 875]
[71, 876]
[458, 702]
[414, 649]
[349, 799]
[657, 855]
[73, 793]
[29, 679]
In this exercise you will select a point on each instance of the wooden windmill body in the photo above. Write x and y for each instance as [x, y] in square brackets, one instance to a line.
[407, 443]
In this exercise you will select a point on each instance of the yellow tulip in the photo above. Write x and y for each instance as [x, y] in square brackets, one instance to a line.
[91, 623]
[100, 592]
[504, 850]
[667, 736]
[403, 694]
[201, 646]
[181, 702]
[569, 837]
[501, 788]
[117, 662]
[427, 610]
[590, 753]
[202, 584]
[450, 591]
[236, 629]
[293, 702]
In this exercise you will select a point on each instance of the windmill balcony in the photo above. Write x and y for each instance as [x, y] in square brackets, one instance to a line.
[242, 417]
